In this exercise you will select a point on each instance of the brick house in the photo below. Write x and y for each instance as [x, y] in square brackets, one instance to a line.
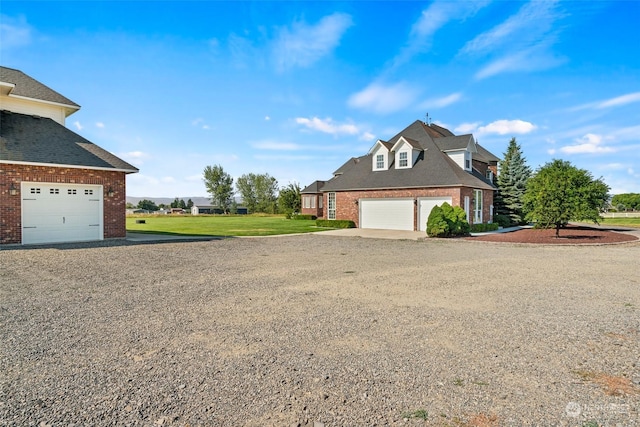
[312, 200]
[55, 186]
[399, 181]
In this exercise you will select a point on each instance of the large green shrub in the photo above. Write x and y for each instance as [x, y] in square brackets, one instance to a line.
[335, 223]
[303, 217]
[481, 228]
[447, 221]
[502, 220]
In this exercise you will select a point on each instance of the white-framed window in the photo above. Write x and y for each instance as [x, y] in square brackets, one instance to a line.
[467, 164]
[306, 202]
[331, 208]
[313, 201]
[320, 200]
[477, 206]
[489, 175]
[379, 161]
[403, 159]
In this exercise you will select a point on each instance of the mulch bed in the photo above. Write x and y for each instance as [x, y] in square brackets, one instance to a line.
[571, 235]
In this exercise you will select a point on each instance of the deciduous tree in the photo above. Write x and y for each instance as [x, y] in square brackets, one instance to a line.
[258, 192]
[219, 185]
[559, 192]
[289, 199]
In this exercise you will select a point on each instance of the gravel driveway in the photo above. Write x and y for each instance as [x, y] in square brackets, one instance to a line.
[322, 331]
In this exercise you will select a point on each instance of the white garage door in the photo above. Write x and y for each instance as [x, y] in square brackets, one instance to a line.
[388, 214]
[61, 212]
[425, 204]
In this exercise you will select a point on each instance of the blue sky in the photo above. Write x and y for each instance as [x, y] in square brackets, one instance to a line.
[294, 89]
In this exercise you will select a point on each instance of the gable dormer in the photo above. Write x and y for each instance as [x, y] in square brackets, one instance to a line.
[380, 156]
[405, 152]
[460, 149]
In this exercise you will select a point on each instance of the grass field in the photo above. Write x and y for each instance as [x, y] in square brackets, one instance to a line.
[218, 225]
[626, 222]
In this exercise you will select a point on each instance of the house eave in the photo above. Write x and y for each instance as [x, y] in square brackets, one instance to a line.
[57, 165]
[70, 109]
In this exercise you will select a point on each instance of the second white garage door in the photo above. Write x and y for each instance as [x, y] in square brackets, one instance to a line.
[425, 204]
[387, 214]
[61, 212]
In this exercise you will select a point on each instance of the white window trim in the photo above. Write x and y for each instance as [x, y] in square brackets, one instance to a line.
[331, 206]
[400, 160]
[477, 206]
[384, 162]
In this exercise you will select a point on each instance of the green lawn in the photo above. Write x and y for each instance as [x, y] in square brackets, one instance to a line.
[625, 222]
[219, 225]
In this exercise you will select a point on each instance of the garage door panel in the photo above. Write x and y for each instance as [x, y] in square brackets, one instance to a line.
[53, 213]
[388, 214]
[425, 205]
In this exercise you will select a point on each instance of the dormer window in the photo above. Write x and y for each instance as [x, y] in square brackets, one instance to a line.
[403, 159]
[380, 161]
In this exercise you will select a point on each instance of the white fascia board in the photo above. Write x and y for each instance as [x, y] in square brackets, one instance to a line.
[56, 165]
[402, 141]
[376, 145]
[7, 87]
[70, 108]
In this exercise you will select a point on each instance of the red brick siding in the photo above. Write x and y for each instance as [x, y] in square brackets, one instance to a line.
[346, 207]
[10, 206]
[317, 211]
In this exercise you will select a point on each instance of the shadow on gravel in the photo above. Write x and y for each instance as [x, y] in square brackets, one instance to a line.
[109, 243]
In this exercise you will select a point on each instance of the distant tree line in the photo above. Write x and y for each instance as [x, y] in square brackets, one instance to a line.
[626, 202]
[259, 192]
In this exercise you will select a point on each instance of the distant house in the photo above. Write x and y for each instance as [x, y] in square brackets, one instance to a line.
[210, 209]
[312, 200]
[55, 185]
[397, 183]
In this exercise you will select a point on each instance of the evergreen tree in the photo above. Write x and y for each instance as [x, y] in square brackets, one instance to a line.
[512, 183]
[189, 204]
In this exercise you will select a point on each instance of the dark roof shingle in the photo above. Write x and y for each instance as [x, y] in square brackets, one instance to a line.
[34, 139]
[29, 87]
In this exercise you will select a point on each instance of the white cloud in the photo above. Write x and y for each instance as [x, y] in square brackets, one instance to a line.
[267, 118]
[14, 32]
[620, 100]
[367, 136]
[465, 128]
[523, 42]
[134, 157]
[504, 127]
[282, 157]
[168, 180]
[328, 126]
[275, 145]
[100, 125]
[199, 122]
[609, 103]
[441, 102]
[302, 44]
[383, 99]
[588, 144]
[500, 127]
[434, 17]
[78, 125]
[194, 178]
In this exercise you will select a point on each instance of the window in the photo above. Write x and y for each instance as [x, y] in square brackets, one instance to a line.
[313, 201]
[54, 191]
[477, 206]
[305, 202]
[380, 161]
[86, 192]
[71, 191]
[489, 175]
[331, 202]
[35, 191]
[403, 159]
[467, 164]
[320, 200]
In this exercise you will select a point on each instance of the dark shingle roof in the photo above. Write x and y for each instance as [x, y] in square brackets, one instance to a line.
[33, 139]
[433, 168]
[485, 155]
[28, 87]
[453, 143]
[314, 187]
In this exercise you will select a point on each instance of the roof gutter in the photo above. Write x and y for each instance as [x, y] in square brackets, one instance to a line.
[56, 165]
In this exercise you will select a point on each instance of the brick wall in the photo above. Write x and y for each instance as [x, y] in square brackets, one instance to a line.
[317, 211]
[346, 207]
[10, 213]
